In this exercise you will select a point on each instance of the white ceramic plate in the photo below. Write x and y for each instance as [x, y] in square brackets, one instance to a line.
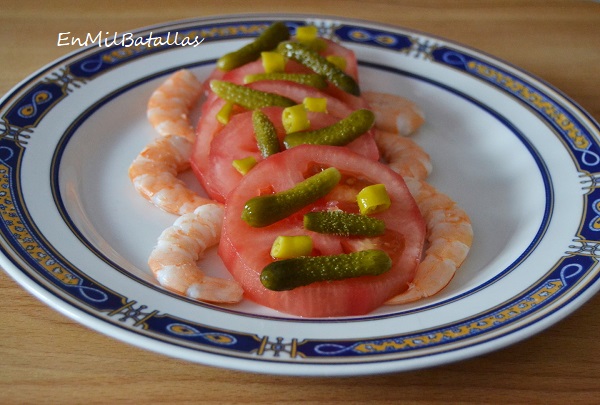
[517, 155]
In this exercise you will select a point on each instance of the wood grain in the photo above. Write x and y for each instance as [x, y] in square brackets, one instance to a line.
[48, 358]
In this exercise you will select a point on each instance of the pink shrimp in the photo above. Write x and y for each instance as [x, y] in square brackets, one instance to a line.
[154, 172]
[154, 175]
[170, 104]
[449, 237]
[394, 113]
[403, 155]
[174, 259]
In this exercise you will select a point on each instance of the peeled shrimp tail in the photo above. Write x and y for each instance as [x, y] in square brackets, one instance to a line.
[449, 238]
[154, 175]
[403, 155]
[170, 105]
[394, 113]
[174, 259]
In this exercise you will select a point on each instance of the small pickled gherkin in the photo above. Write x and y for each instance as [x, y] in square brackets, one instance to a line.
[268, 40]
[265, 133]
[247, 97]
[339, 134]
[343, 223]
[320, 65]
[308, 79]
[267, 209]
[288, 274]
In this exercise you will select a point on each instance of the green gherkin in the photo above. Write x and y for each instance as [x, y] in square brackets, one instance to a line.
[320, 65]
[267, 209]
[268, 40]
[265, 133]
[247, 97]
[343, 223]
[292, 273]
[339, 134]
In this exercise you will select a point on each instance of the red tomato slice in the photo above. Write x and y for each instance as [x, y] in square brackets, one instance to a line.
[213, 168]
[237, 141]
[339, 104]
[246, 250]
[206, 129]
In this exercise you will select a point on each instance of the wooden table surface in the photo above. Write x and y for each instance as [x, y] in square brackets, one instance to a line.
[48, 358]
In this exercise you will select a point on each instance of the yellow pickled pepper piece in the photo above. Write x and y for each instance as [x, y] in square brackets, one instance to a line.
[373, 199]
[307, 33]
[315, 104]
[337, 60]
[295, 119]
[244, 165]
[224, 113]
[286, 247]
[273, 62]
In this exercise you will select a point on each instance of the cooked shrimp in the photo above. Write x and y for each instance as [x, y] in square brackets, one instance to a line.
[394, 113]
[449, 237]
[174, 259]
[170, 105]
[154, 175]
[403, 155]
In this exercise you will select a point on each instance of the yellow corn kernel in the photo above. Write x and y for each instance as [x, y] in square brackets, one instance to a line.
[315, 104]
[295, 118]
[225, 113]
[286, 247]
[307, 33]
[273, 62]
[339, 61]
[373, 199]
[244, 165]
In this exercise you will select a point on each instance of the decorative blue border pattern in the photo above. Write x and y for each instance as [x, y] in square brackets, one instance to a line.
[578, 138]
[27, 244]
